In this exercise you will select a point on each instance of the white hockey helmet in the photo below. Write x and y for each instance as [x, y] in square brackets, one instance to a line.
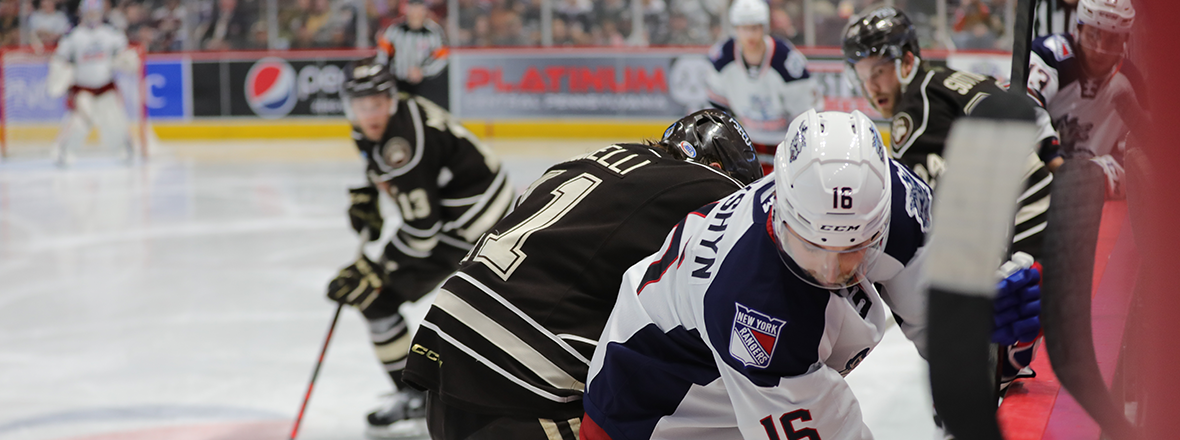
[746, 12]
[1115, 16]
[91, 11]
[833, 197]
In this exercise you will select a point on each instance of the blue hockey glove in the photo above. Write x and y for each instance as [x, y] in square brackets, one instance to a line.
[1017, 306]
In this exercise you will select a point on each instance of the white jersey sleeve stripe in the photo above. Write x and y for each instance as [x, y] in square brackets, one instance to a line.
[522, 315]
[507, 341]
[450, 340]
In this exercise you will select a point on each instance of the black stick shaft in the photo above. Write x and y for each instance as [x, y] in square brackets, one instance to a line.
[1021, 45]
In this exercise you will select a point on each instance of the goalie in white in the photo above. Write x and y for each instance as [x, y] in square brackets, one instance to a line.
[84, 65]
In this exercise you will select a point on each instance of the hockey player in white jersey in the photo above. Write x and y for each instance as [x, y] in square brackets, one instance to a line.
[1082, 78]
[743, 325]
[762, 80]
[84, 66]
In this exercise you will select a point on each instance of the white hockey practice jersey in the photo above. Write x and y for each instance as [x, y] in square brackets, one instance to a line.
[92, 52]
[1082, 108]
[713, 337]
[767, 97]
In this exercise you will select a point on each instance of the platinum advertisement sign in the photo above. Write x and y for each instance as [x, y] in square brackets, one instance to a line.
[658, 83]
[489, 85]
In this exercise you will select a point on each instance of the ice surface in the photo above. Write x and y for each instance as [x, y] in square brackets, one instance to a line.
[183, 299]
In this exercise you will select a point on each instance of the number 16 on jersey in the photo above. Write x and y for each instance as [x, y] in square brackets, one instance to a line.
[786, 421]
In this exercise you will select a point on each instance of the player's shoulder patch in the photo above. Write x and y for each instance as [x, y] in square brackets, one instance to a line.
[754, 336]
[789, 62]
[722, 54]
[1054, 48]
[900, 130]
[396, 153]
[917, 202]
[910, 218]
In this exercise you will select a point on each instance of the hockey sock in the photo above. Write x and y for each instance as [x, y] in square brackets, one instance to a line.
[391, 341]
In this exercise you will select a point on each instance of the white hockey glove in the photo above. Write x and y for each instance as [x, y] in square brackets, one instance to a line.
[1114, 176]
[60, 78]
[127, 61]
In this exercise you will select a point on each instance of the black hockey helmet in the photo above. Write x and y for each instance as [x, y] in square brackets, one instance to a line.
[712, 135]
[366, 77]
[884, 31]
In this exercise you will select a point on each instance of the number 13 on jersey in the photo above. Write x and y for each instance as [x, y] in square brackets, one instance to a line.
[503, 252]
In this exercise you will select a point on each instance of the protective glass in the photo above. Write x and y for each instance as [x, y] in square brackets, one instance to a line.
[828, 267]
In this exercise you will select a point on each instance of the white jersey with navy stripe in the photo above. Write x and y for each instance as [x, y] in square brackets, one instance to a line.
[714, 337]
[1082, 108]
[764, 98]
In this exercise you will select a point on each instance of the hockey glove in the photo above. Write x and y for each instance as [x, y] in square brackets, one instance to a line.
[358, 284]
[1015, 361]
[1114, 176]
[364, 211]
[1017, 307]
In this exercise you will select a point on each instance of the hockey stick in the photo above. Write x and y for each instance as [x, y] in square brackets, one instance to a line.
[320, 361]
[1070, 241]
[1022, 36]
[971, 234]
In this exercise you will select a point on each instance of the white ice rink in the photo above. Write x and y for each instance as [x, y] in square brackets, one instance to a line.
[184, 299]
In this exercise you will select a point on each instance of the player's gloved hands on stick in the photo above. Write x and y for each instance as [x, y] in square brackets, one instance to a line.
[1017, 307]
[364, 211]
[358, 284]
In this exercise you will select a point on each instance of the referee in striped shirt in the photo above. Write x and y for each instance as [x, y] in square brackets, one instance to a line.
[416, 51]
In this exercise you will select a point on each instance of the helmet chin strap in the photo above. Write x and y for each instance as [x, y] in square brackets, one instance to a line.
[906, 79]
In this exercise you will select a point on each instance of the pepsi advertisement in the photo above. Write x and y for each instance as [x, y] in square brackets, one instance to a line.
[269, 88]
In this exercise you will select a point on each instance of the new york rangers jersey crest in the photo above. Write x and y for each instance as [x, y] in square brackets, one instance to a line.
[754, 336]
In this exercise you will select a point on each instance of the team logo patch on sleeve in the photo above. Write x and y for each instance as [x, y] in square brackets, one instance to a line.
[917, 197]
[396, 153]
[903, 125]
[754, 336]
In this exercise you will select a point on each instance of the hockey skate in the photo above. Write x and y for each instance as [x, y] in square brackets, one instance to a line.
[402, 416]
[61, 157]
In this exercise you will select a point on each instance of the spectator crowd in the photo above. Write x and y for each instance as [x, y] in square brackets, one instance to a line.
[174, 25]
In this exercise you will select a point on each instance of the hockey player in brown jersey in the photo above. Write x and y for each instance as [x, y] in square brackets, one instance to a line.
[449, 189]
[505, 349]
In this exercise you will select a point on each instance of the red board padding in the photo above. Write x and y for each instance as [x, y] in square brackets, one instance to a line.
[1036, 409]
